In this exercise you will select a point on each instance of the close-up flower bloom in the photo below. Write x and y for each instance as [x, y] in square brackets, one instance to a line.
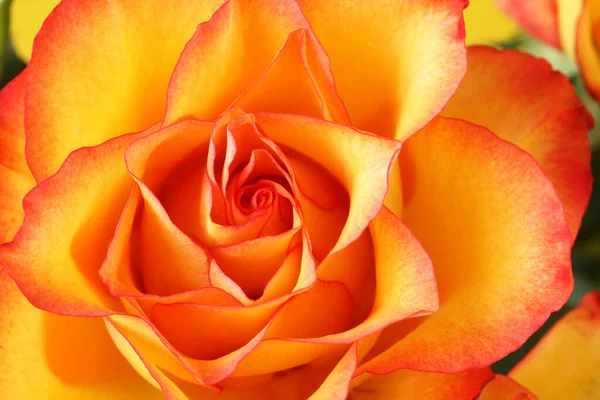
[282, 199]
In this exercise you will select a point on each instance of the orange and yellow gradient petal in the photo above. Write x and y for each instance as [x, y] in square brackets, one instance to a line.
[495, 231]
[535, 108]
[565, 363]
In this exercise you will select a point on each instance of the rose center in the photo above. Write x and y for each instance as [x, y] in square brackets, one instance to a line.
[252, 198]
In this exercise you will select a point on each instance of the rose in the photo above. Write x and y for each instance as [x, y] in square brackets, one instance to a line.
[352, 293]
[566, 25]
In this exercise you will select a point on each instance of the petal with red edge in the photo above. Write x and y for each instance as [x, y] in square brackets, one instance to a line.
[565, 363]
[495, 231]
[69, 221]
[253, 263]
[85, 85]
[153, 346]
[298, 319]
[389, 84]
[335, 386]
[302, 68]
[407, 384]
[274, 355]
[26, 18]
[538, 17]
[207, 332]
[15, 178]
[535, 108]
[405, 283]
[169, 261]
[294, 384]
[145, 368]
[504, 388]
[68, 358]
[216, 67]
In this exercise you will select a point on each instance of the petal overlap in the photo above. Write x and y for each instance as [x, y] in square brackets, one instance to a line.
[538, 110]
[464, 202]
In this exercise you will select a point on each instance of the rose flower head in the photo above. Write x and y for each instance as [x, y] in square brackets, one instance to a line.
[279, 199]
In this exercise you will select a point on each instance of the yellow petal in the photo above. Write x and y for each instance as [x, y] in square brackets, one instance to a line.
[47, 356]
[566, 362]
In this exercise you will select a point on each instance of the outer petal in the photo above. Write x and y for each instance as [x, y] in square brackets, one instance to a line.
[100, 69]
[44, 355]
[407, 384]
[69, 220]
[586, 47]
[26, 18]
[535, 108]
[504, 388]
[495, 231]
[538, 17]
[395, 63]
[15, 177]
[566, 362]
[216, 67]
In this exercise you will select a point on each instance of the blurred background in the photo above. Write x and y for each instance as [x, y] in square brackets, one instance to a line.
[485, 24]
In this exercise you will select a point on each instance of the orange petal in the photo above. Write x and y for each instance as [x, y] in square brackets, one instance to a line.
[376, 53]
[69, 221]
[45, 355]
[495, 231]
[15, 177]
[145, 368]
[169, 261]
[294, 384]
[117, 271]
[535, 108]
[120, 269]
[565, 363]
[301, 67]
[216, 67]
[153, 346]
[274, 355]
[587, 37]
[323, 202]
[538, 17]
[335, 386]
[360, 162]
[286, 277]
[83, 65]
[207, 332]
[504, 388]
[405, 283]
[253, 263]
[354, 266]
[407, 384]
[298, 319]
[285, 345]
